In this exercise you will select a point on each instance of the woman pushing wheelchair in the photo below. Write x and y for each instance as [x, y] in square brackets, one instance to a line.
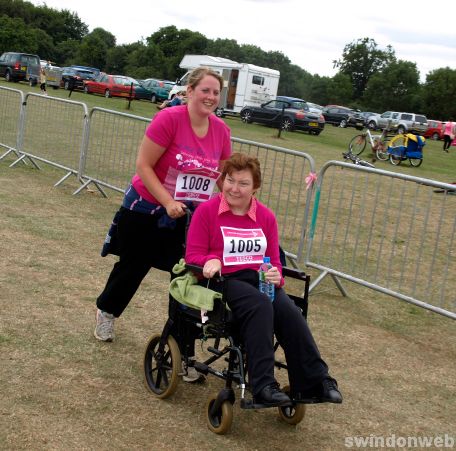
[213, 242]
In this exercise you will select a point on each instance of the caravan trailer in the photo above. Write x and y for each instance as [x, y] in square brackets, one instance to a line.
[244, 84]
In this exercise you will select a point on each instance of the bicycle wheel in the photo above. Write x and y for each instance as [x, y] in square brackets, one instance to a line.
[357, 144]
[381, 149]
[416, 162]
[394, 159]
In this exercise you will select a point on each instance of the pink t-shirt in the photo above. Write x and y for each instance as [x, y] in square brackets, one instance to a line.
[171, 129]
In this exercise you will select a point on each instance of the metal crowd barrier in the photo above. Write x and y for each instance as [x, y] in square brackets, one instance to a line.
[112, 145]
[388, 231]
[284, 190]
[10, 120]
[53, 132]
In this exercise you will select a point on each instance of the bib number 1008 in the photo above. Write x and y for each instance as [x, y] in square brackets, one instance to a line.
[195, 183]
[241, 246]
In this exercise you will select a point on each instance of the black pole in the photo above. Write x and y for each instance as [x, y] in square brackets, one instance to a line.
[130, 96]
[281, 121]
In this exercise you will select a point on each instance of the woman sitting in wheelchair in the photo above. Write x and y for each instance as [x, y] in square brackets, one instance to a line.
[218, 240]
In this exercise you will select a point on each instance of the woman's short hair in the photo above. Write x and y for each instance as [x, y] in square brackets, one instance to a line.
[240, 162]
[199, 73]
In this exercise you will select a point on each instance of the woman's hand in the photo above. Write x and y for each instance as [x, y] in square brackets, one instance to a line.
[273, 276]
[211, 268]
[175, 209]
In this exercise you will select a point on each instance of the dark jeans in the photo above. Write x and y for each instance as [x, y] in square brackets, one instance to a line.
[446, 141]
[142, 245]
[258, 319]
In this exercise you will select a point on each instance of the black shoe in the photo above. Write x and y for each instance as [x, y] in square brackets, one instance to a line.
[325, 391]
[272, 396]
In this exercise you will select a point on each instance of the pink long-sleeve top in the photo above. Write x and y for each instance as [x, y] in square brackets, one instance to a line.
[205, 239]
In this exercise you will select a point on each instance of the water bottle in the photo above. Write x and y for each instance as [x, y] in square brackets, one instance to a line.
[264, 286]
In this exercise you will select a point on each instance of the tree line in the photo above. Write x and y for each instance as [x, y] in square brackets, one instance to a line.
[368, 78]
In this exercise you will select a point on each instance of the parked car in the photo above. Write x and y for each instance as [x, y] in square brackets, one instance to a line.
[314, 107]
[111, 85]
[296, 115]
[73, 78]
[379, 122]
[95, 70]
[435, 130]
[411, 123]
[160, 88]
[16, 66]
[343, 116]
[366, 115]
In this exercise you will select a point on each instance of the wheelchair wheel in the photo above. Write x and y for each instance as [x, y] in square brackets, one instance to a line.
[161, 372]
[220, 423]
[291, 414]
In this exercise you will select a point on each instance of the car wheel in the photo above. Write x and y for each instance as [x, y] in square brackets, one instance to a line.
[86, 90]
[219, 112]
[8, 76]
[372, 125]
[343, 123]
[287, 124]
[66, 85]
[32, 82]
[246, 116]
[153, 99]
[401, 129]
[435, 136]
[107, 94]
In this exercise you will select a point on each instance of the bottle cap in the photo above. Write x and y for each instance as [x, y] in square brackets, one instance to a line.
[266, 259]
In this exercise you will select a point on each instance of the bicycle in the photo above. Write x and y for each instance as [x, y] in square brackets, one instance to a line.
[356, 159]
[377, 143]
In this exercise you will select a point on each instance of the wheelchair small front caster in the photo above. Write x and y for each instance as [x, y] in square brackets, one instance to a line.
[219, 420]
[291, 414]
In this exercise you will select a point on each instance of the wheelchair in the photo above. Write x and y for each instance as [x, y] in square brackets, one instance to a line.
[163, 357]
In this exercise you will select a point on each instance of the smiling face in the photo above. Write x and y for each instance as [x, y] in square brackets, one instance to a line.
[238, 190]
[204, 98]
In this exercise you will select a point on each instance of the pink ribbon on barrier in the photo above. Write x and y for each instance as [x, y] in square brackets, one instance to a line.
[310, 180]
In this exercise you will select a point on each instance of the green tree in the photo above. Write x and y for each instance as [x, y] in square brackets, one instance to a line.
[361, 59]
[439, 94]
[94, 48]
[396, 87]
[15, 36]
[145, 61]
[339, 90]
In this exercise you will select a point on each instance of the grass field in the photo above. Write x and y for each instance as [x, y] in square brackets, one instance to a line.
[62, 390]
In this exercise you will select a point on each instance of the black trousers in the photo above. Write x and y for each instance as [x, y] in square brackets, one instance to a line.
[446, 142]
[258, 319]
[142, 245]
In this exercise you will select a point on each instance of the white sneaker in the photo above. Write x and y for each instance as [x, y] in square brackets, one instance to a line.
[104, 329]
[190, 374]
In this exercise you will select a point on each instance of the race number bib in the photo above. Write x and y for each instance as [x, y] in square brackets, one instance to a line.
[242, 246]
[196, 184]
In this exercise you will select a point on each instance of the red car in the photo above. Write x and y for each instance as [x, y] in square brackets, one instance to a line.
[111, 85]
[435, 130]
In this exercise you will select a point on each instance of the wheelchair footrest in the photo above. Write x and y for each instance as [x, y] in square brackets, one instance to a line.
[308, 401]
[250, 404]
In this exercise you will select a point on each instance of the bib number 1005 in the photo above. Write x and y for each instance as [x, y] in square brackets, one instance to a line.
[241, 246]
[191, 183]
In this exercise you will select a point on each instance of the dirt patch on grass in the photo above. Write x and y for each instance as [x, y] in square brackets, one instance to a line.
[61, 389]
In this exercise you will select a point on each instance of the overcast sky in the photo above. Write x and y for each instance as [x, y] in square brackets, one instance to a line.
[312, 34]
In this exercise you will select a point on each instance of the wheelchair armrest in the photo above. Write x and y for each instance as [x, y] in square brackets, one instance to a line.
[294, 273]
[198, 270]
[194, 268]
